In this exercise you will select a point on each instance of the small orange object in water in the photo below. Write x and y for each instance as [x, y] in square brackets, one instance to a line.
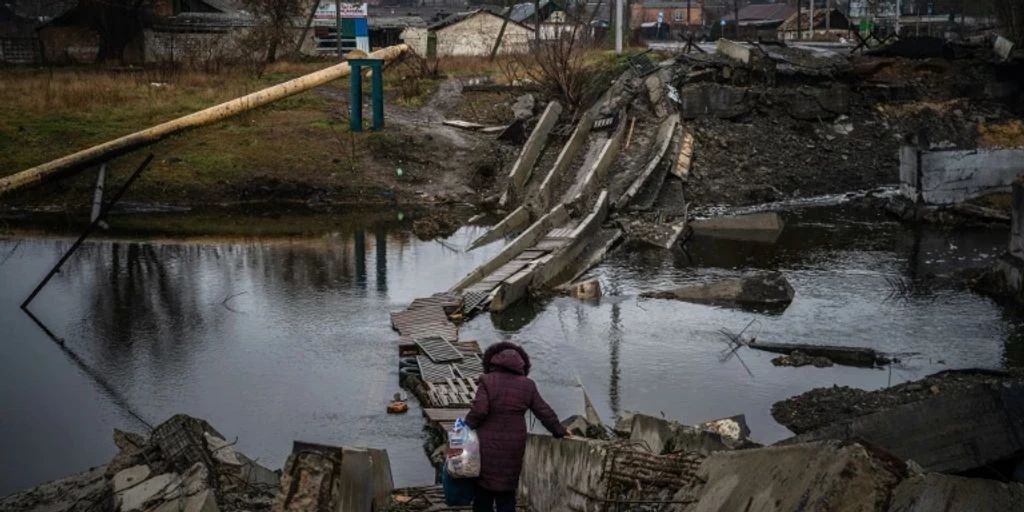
[397, 407]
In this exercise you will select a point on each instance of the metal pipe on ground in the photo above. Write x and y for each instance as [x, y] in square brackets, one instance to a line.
[102, 152]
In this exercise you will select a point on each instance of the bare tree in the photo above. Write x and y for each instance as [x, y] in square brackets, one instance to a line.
[273, 28]
[558, 61]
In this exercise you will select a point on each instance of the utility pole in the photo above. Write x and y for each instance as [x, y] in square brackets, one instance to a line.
[337, 21]
[799, 25]
[736, 15]
[687, 16]
[810, 23]
[899, 13]
[828, 17]
[618, 26]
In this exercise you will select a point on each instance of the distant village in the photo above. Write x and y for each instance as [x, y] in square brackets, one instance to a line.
[60, 32]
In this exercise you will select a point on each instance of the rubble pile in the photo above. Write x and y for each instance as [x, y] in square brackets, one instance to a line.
[793, 122]
[184, 465]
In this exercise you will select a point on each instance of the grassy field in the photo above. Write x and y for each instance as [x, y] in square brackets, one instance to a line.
[291, 150]
[45, 114]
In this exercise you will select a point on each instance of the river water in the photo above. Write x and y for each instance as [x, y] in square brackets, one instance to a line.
[282, 333]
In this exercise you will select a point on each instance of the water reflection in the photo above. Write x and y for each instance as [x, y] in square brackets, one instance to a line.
[270, 339]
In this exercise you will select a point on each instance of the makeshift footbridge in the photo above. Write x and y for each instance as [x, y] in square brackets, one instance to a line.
[616, 158]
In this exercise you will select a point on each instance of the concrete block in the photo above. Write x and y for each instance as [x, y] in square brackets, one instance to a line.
[1003, 47]
[925, 493]
[813, 476]
[755, 227]
[553, 467]
[949, 177]
[734, 50]
[365, 481]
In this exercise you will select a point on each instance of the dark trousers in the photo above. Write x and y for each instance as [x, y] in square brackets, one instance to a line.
[491, 501]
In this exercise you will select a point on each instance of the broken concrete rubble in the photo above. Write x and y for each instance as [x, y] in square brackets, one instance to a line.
[148, 476]
[769, 289]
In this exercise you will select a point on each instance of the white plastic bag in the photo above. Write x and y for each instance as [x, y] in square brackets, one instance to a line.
[463, 460]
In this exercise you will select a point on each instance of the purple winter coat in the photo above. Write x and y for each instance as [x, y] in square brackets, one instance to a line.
[503, 396]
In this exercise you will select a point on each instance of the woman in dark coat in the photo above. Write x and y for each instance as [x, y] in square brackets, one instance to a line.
[503, 396]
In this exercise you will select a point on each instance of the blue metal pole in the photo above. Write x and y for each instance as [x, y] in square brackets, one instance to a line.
[378, 95]
[356, 92]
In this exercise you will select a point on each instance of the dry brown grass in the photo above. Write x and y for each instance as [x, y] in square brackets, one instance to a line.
[84, 89]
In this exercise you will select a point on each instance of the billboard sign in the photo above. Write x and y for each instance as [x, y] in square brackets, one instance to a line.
[326, 11]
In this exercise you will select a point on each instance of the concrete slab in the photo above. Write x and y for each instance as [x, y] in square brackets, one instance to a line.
[556, 467]
[365, 481]
[765, 227]
[979, 426]
[130, 477]
[514, 222]
[666, 436]
[136, 497]
[926, 493]
[813, 476]
[955, 176]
